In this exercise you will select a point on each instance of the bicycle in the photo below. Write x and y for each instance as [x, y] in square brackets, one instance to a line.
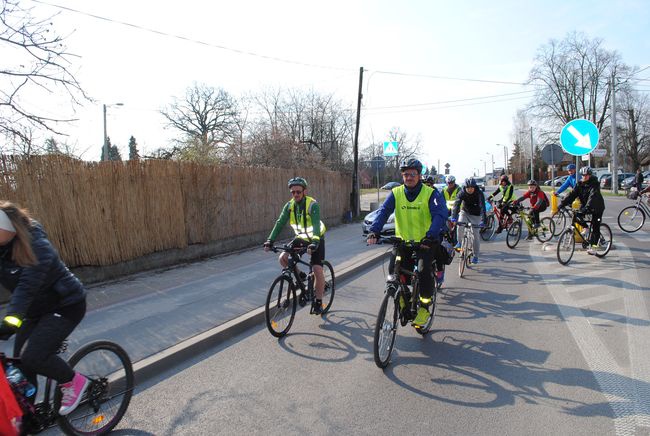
[400, 303]
[466, 248]
[281, 301]
[632, 218]
[498, 218]
[562, 216]
[109, 369]
[543, 233]
[580, 229]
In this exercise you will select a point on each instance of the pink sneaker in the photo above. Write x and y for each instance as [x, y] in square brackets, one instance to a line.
[72, 393]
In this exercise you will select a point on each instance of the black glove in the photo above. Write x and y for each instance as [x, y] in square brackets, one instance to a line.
[7, 330]
[427, 243]
[268, 243]
[313, 247]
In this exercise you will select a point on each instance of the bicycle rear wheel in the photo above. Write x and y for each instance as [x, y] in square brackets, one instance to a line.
[280, 308]
[386, 329]
[110, 371]
[490, 227]
[566, 245]
[631, 219]
[330, 288]
[545, 230]
[514, 234]
[605, 241]
[560, 220]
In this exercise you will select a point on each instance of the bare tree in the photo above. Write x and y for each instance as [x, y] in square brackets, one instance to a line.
[206, 119]
[41, 69]
[573, 77]
[634, 144]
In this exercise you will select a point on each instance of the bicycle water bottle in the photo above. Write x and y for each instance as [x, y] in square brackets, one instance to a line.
[19, 382]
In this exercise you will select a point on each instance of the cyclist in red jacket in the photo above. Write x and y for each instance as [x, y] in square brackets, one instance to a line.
[538, 202]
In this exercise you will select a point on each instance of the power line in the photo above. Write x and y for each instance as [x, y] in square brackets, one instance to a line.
[448, 107]
[464, 79]
[192, 40]
[448, 101]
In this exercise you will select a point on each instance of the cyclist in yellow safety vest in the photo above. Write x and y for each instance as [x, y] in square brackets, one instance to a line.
[451, 192]
[303, 214]
[420, 214]
[507, 191]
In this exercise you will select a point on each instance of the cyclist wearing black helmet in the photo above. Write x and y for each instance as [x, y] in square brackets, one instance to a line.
[473, 210]
[420, 214]
[538, 203]
[507, 192]
[303, 214]
[429, 181]
[588, 191]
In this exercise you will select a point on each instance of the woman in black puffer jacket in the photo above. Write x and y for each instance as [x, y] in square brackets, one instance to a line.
[47, 302]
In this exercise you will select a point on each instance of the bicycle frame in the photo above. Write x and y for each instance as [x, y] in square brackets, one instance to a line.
[291, 273]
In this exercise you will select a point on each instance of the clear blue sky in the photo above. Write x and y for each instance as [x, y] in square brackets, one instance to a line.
[465, 39]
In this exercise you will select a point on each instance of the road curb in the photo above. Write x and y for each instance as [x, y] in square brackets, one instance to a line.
[153, 365]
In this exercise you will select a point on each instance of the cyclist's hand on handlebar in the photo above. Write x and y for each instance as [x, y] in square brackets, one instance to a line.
[427, 243]
[7, 330]
[268, 245]
[372, 238]
[311, 248]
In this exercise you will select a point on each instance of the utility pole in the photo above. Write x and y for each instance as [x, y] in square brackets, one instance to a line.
[354, 195]
[105, 137]
[614, 145]
[532, 154]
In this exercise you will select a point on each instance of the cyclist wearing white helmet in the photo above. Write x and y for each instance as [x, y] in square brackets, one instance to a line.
[303, 213]
[588, 191]
[451, 192]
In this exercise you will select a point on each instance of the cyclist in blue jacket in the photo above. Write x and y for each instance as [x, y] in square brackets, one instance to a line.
[570, 181]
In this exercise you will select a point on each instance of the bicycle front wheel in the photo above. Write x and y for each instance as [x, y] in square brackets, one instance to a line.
[109, 369]
[514, 234]
[328, 293]
[490, 227]
[280, 308]
[566, 245]
[462, 260]
[631, 219]
[386, 329]
[545, 230]
[605, 240]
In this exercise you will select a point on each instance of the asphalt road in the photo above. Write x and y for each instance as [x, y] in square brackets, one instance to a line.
[522, 345]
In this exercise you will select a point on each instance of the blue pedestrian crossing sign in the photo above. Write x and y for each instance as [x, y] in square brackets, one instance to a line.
[579, 137]
[390, 148]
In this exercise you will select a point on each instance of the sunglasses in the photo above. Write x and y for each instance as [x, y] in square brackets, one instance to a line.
[409, 174]
[296, 192]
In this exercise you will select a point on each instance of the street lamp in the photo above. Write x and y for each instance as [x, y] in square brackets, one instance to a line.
[492, 157]
[484, 167]
[505, 157]
[105, 135]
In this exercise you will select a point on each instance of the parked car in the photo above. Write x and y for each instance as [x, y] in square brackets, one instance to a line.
[388, 229]
[559, 180]
[629, 182]
[390, 185]
[606, 181]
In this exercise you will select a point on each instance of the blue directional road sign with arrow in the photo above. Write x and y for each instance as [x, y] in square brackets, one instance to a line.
[579, 137]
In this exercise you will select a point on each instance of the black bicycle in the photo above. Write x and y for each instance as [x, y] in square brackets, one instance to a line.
[579, 231]
[109, 369]
[401, 304]
[281, 301]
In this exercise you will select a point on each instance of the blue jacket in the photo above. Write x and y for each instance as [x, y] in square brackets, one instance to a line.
[569, 182]
[42, 288]
[437, 207]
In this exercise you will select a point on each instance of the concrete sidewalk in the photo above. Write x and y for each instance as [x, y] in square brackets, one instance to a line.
[162, 317]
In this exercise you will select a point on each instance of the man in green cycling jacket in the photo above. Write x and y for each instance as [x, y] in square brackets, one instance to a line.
[303, 214]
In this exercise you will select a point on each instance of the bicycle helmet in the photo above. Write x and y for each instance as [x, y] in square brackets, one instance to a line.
[571, 167]
[470, 182]
[411, 163]
[504, 178]
[450, 179]
[532, 182]
[585, 171]
[297, 181]
[429, 179]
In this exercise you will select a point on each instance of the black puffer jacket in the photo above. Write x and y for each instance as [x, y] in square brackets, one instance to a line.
[41, 288]
[589, 194]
